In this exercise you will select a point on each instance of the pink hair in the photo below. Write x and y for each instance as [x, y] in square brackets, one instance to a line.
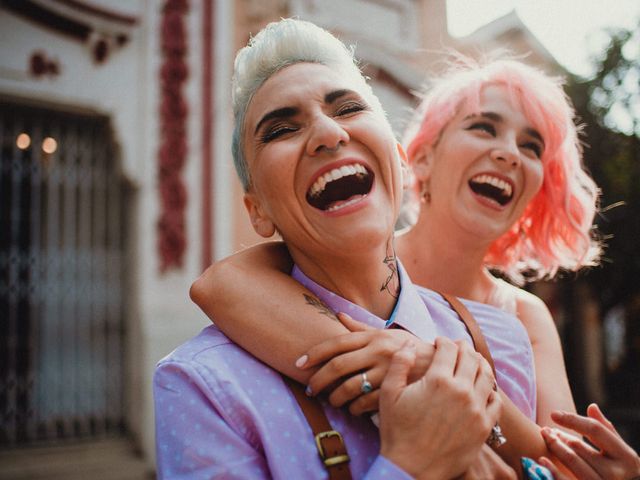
[555, 230]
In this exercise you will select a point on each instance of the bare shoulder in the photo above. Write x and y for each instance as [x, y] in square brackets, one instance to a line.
[534, 314]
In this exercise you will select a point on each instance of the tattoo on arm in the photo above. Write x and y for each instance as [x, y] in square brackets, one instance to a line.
[319, 305]
[391, 283]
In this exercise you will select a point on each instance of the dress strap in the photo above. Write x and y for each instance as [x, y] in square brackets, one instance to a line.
[477, 337]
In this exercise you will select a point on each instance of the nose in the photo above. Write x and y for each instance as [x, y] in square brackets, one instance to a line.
[326, 135]
[506, 153]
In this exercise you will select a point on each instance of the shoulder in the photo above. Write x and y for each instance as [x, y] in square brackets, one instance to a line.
[210, 341]
[210, 356]
[534, 315]
[212, 364]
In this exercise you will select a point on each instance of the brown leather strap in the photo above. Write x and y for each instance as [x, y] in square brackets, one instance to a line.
[479, 342]
[329, 443]
[513, 430]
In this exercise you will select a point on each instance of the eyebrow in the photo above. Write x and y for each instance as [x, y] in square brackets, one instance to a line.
[336, 94]
[285, 112]
[496, 117]
[288, 112]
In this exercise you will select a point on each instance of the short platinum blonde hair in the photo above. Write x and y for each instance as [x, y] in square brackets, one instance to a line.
[279, 45]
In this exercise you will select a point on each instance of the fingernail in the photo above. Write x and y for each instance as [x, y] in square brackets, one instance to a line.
[308, 392]
[526, 462]
[302, 361]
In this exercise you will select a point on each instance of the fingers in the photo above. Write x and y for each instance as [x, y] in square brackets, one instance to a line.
[468, 364]
[331, 348]
[351, 324]
[594, 412]
[474, 373]
[369, 402]
[396, 378]
[351, 388]
[485, 382]
[344, 368]
[598, 433]
[444, 358]
[567, 456]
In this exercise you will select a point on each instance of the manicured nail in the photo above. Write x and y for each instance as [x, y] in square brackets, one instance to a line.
[308, 392]
[301, 362]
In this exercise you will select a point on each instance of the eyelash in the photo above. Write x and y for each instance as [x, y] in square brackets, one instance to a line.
[278, 130]
[350, 107]
[487, 127]
[534, 147]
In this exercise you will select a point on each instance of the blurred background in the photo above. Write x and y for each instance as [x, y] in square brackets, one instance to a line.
[117, 190]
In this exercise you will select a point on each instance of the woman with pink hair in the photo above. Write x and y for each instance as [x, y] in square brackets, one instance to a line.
[499, 186]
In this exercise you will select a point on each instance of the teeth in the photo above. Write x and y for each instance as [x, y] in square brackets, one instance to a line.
[353, 200]
[496, 182]
[335, 174]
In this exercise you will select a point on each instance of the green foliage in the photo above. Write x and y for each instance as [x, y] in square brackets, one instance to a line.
[608, 104]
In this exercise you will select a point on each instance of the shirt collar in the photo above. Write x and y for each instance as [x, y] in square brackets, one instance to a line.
[409, 312]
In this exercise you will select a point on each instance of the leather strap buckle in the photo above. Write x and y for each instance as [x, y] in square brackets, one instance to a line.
[336, 459]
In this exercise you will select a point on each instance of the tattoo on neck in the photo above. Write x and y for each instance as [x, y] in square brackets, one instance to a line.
[319, 305]
[391, 283]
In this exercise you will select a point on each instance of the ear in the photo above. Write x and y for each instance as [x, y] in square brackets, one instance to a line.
[261, 222]
[422, 162]
[405, 169]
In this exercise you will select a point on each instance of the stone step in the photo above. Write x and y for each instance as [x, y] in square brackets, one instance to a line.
[113, 459]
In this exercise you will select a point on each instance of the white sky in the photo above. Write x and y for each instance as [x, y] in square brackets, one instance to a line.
[567, 28]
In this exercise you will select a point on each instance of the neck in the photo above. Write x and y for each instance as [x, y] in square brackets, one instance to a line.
[366, 277]
[445, 259]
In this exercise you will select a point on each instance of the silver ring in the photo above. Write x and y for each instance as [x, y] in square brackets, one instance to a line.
[365, 386]
[496, 438]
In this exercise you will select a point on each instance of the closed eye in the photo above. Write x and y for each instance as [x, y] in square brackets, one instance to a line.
[275, 131]
[350, 107]
[535, 147]
[483, 126]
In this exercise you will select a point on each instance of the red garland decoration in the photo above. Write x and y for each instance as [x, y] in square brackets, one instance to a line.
[172, 154]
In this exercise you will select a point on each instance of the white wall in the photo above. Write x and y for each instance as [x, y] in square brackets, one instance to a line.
[125, 88]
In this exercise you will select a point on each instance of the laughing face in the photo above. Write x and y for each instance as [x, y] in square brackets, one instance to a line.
[324, 164]
[485, 168]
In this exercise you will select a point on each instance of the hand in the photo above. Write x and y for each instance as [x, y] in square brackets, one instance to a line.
[366, 349]
[436, 426]
[610, 457]
[488, 464]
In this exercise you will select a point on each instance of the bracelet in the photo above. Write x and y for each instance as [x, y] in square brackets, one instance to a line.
[496, 438]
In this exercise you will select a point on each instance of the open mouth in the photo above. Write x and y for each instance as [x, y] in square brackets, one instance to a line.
[493, 188]
[340, 187]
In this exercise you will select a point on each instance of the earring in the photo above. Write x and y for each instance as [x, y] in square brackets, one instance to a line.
[425, 194]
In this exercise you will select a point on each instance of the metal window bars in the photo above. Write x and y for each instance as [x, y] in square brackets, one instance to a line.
[62, 281]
